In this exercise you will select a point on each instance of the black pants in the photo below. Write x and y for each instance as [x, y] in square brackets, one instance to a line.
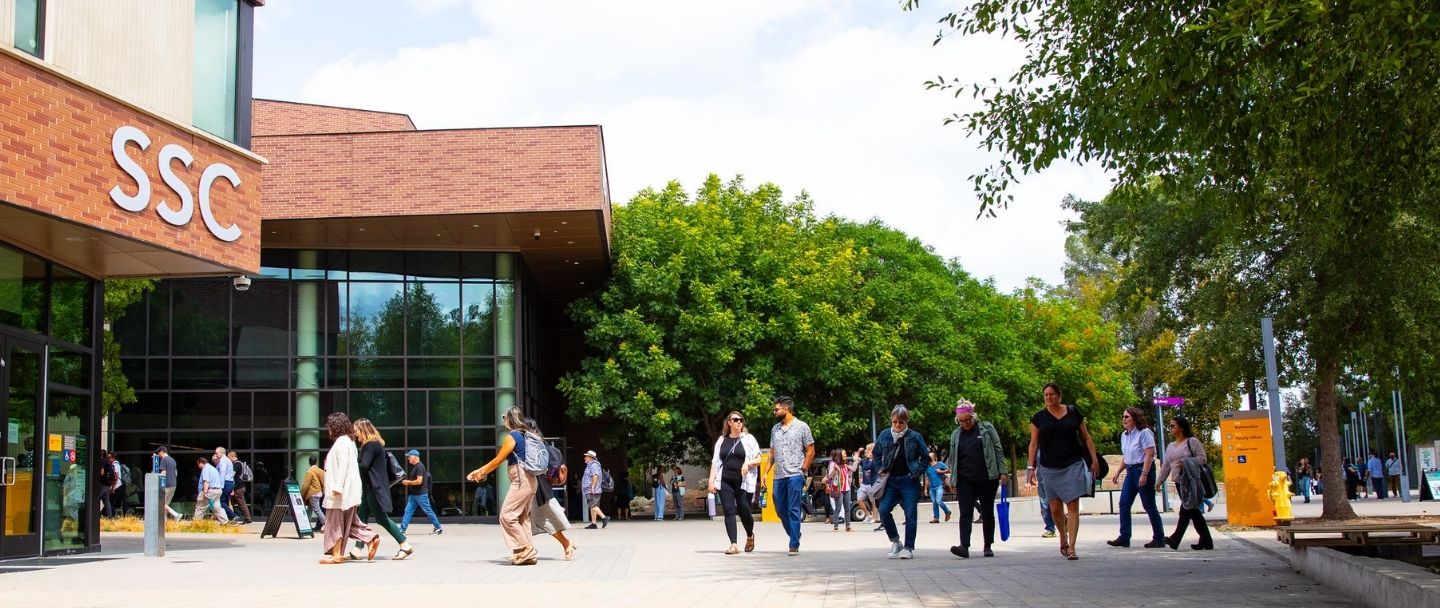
[970, 493]
[735, 500]
[1196, 515]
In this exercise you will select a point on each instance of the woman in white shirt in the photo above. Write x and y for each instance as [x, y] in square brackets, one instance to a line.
[734, 469]
[343, 492]
[1137, 444]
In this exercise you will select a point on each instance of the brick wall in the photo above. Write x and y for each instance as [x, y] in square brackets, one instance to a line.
[56, 159]
[270, 117]
[432, 172]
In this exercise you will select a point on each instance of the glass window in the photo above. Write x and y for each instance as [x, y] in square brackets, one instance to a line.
[261, 325]
[240, 411]
[184, 439]
[69, 368]
[150, 411]
[65, 528]
[383, 408]
[477, 266]
[445, 411]
[479, 373]
[272, 410]
[158, 324]
[445, 438]
[314, 317]
[480, 436]
[433, 373]
[201, 373]
[262, 373]
[432, 266]
[480, 409]
[22, 290]
[159, 374]
[335, 373]
[202, 317]
[200, 411]
[129, 329]
[134, 372]
[70, 306]
[479, 302]
[217, 24]
[271, 440]
[415, 408]
[375, 319]
[433, 315]
[377, 373]
[377, 266]
[275, 263]
[30, 27]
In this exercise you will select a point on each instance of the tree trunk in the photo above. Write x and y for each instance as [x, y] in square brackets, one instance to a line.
[1336, 505]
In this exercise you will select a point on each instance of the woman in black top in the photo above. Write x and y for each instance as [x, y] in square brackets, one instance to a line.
[733, 473]
[1059, 437]
[375, 477]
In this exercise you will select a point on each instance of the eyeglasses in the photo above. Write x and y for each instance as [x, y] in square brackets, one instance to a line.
[1126, 416]
[966, 420]
[737, 420]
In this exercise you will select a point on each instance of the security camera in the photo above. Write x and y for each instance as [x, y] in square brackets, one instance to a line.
[242, 283]
[537, 234]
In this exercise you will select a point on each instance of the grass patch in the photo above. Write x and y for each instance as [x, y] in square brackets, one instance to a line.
[130, 523]
[1239, 528]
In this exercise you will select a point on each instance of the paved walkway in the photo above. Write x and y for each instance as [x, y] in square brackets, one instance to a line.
[676, 564]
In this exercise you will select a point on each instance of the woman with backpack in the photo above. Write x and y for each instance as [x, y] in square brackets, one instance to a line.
[734, 471]
[1182, 459]
[837, 488]
[519, 502]
[375, 474]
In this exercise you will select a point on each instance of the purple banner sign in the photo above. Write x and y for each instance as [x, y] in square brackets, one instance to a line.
[1169, 401]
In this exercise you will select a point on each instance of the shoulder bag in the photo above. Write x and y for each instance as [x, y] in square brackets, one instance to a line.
[1207, 477]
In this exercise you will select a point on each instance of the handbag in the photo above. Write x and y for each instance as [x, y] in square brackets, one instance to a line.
[1207, 477]
[1002, 514]
[884, 475]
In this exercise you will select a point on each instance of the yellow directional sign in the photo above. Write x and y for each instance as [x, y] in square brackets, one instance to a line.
[1245, 440]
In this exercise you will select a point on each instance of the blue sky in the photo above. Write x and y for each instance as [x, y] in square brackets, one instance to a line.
[824, 96]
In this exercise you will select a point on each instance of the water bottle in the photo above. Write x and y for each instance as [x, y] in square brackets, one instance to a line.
[762, 499]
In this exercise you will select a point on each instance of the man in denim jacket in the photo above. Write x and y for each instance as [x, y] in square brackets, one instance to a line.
[903, 483]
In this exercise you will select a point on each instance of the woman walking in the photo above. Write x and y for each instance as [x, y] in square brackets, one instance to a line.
[1059, 434]
[837, 488]
[515, 512]
[1304, 471]
[677, 493]
[867, 492]
[977, 471]
[343, 493]
[657, 483]
[734, 469]
[375, 475]
[548, 516]
[902, 458]
[1183, 457]
[1137, 446]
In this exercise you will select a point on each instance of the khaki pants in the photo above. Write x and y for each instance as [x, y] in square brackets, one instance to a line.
[515, 513]
[209, 501]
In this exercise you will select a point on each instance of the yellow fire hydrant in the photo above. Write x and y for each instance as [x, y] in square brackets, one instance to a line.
[1280, 493]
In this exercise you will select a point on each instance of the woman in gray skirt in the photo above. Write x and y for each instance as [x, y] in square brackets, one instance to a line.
[1059, 434]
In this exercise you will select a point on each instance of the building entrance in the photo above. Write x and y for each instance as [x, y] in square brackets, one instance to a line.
[21, 452]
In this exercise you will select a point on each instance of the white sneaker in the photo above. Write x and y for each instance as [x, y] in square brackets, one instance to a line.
[895, 548]
[907, 554]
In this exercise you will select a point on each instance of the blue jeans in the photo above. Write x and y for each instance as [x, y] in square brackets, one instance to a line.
[904, 490]
[225, 498]
[787, 495]
[660, 494]
[1128, 491]
[422, 501]
[1305, 488]
[937, 500]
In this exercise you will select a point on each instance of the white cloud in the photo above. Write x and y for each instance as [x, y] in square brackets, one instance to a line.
[809, 95]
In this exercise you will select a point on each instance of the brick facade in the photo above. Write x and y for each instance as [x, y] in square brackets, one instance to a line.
[433, 172]
[56, 159]
[289, 118]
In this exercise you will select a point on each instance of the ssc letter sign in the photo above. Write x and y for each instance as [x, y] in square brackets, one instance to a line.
[174, 215]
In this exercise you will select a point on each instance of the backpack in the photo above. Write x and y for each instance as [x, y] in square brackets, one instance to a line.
[607, 483]
[537, 455]
[558, 472]
[124, 475]
[396, 473]
[107, 475]
[243, 472]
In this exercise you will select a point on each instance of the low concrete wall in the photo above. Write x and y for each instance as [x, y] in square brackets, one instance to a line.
[1380, 583]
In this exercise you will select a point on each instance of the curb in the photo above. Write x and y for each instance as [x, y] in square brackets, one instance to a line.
[1380, 583]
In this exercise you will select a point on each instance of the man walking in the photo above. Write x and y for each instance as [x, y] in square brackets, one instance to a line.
[417, 493]
[312, 491]
[227, 476]
[591, 488]
[936, 475]
[242, 478]
[208, 491]
[792, 448]
[1377, 475]
[168, 478]
[1392, 471]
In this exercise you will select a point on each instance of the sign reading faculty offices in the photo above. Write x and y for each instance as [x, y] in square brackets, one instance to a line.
[178, 216]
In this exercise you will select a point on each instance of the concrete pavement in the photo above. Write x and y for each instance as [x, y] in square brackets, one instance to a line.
[670, 563]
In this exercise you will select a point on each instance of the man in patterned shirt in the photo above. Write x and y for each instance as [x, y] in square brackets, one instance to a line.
[792, 447]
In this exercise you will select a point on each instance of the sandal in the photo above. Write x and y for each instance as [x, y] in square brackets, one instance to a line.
[570, 551]
[1064, 549]
[528, 555]
[374, 546]
[402, 554]
[332, 560]
[749, 544]
[1071, 555]
[732, 550]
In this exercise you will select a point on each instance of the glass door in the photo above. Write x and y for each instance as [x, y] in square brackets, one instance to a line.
[21, 451]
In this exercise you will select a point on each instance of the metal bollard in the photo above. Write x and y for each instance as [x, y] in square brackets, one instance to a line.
[154, 518]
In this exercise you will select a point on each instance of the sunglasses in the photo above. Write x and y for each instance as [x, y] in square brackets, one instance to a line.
[1126, 416]
[737, 420]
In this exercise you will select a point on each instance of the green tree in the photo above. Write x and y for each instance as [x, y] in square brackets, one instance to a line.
[720, 302]
[1292, 146]
[116, 391]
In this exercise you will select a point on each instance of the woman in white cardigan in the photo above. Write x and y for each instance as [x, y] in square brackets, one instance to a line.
[734, 469]
[343, 492]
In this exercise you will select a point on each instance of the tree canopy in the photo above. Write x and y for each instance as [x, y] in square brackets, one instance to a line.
[1272, 158]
